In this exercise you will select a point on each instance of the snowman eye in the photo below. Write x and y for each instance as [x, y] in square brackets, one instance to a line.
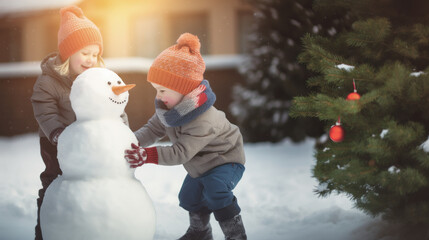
[109, 83]
[119, 82]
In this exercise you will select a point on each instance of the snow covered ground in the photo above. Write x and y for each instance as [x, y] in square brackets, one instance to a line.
[275, 194]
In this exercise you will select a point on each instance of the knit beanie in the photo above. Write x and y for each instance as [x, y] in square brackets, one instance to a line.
[76, 31]
[179, 67]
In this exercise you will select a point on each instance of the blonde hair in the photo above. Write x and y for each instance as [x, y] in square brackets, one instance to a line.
[64, 68]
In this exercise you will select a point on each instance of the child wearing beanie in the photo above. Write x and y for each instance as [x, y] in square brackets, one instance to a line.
[208, 146]
[80, 47]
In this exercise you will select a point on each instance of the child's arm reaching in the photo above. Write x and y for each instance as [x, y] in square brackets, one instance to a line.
[146, 135]
[151, 132]
[192, 140]
[45, 108]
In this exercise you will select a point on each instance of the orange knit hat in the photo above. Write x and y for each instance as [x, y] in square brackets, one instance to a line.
[179, 67]
[76, 32]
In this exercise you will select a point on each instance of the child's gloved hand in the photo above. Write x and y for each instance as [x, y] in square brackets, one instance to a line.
[136, 156]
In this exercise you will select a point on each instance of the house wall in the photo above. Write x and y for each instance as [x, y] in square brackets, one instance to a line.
[130, 28]
[135, 27]
[16, 112]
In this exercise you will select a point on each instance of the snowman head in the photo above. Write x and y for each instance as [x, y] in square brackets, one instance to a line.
[99, 93]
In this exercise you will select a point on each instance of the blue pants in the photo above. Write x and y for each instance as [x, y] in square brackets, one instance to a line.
[212, 192]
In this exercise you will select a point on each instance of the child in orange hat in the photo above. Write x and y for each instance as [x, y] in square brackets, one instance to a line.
[80, 47]
[208, 146]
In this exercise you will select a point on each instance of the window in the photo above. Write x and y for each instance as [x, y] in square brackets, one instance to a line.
[51, 38]
[195, 23]
[245, 28]
[10, 42]
[148, 34]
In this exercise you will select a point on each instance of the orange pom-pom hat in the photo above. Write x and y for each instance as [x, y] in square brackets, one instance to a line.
[179, 67]
[76, 32]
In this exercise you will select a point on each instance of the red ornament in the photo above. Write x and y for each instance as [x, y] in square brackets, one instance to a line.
[354, 95]
[336, 133]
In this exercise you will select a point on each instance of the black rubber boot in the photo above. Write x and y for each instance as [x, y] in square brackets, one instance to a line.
[199, 228]
[233, 228]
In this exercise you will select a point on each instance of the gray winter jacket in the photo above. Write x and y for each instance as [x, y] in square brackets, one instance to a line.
[50, 99]
[206, 142]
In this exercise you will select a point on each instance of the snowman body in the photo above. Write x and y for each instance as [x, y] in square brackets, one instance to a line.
[97, 197]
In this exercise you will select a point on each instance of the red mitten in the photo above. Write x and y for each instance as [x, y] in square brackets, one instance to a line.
[137, 156]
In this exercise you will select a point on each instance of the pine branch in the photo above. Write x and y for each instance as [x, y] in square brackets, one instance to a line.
[369, 32]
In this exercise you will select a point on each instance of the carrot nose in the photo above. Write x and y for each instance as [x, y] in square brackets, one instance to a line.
[121, 89]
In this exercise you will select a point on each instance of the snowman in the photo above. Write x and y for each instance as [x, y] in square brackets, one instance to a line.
[97, 196]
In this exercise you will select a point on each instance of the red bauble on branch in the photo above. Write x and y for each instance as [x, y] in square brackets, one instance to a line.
[337, 133]
[354, 95]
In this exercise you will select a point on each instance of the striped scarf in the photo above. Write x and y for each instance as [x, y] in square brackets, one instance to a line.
[193, 105]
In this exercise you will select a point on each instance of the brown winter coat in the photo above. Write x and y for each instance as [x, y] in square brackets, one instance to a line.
[50, 99]
[206, 142]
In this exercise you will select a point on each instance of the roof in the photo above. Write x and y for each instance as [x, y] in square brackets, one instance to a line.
[131, 64]
[8, 7]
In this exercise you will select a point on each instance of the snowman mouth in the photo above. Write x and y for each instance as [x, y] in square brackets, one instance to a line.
[118, 102]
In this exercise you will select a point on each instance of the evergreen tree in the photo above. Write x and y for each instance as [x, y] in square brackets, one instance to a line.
[383, 162]
[272, 74]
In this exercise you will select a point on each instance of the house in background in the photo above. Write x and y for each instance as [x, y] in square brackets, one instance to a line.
[134, 32]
